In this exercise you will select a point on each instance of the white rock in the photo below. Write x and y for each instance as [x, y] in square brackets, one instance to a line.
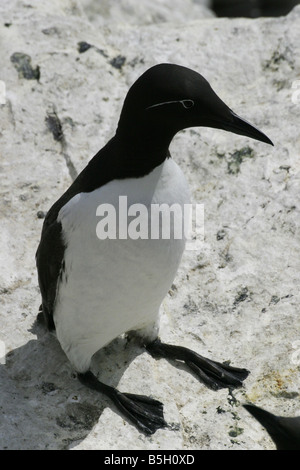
[236, 299]
[110, 12]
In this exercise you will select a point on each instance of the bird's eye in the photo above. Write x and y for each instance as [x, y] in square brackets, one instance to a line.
[187, 104]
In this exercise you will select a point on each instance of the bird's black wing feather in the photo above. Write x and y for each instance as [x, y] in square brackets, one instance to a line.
[49, 261]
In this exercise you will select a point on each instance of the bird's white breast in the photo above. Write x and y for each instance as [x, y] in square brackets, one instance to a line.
[111, 286]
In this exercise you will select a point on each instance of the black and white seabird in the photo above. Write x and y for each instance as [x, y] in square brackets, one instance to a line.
[95, 290]
[284, 431]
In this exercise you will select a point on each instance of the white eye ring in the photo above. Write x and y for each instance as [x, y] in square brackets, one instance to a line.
[187, 104]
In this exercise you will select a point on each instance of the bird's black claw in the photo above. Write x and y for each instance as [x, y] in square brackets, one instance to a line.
[217, 375]
[145, 412]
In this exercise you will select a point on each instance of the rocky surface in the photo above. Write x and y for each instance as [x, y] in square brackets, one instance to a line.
[63, 80]
[146, 12]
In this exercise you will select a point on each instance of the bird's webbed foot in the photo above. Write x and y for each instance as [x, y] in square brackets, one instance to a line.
[214, 374]
[145, 412]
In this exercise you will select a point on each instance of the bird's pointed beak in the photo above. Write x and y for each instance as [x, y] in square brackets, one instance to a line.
[238, 125]
[265, 418]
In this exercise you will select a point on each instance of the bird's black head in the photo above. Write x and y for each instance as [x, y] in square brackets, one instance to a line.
[168, 98]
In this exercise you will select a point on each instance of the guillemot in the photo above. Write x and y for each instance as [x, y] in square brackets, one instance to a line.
[284, 431]
[95, 290]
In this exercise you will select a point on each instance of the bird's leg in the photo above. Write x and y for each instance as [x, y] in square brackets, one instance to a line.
[214, 374]
[145, 412]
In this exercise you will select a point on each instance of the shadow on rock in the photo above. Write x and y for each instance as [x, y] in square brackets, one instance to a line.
[43, 405]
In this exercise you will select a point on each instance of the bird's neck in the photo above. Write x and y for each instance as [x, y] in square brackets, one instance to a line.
[141, 151]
